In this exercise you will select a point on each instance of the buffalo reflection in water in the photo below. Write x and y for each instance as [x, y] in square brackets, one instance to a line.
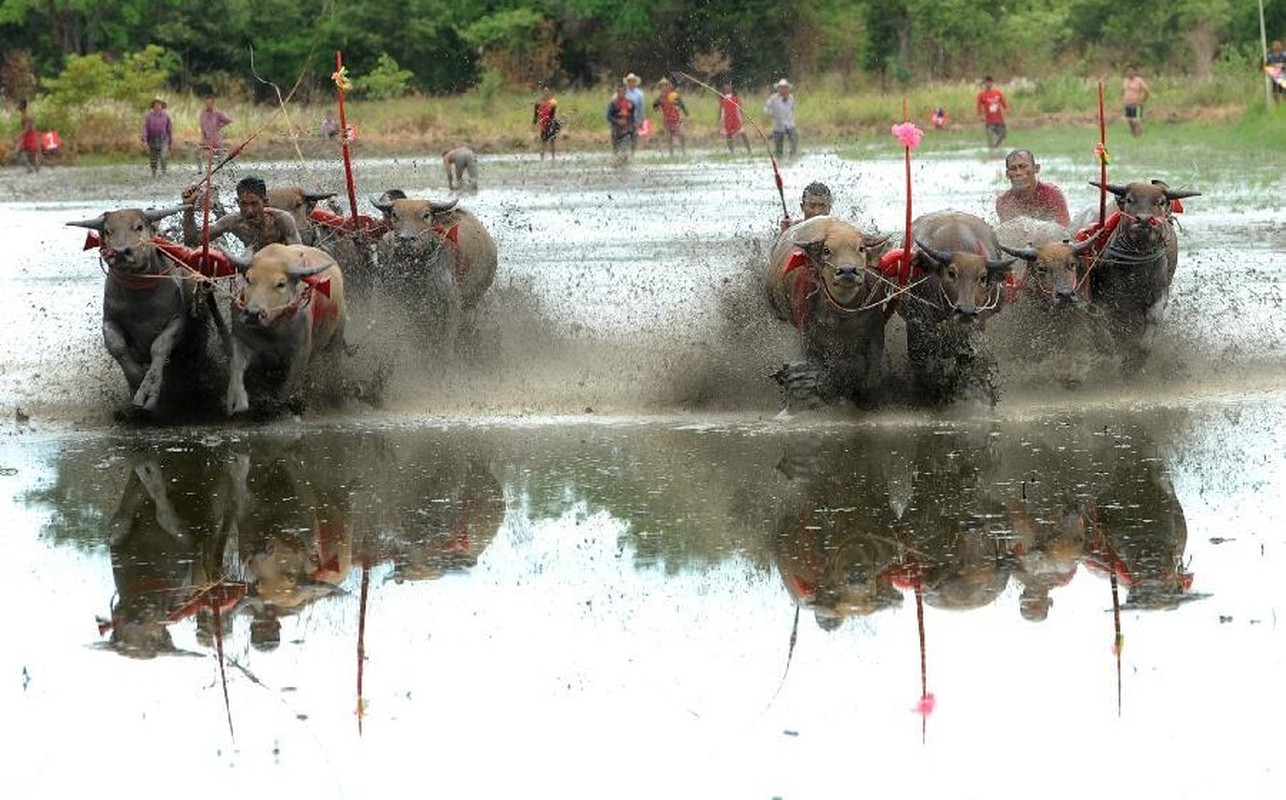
[265, 528]
[958, 514]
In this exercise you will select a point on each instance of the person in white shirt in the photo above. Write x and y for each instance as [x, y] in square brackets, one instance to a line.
[781, 107]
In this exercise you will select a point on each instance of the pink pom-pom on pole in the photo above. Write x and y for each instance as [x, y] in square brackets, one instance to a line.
[908, 134]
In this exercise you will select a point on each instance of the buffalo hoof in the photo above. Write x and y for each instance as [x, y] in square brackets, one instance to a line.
[802, 384]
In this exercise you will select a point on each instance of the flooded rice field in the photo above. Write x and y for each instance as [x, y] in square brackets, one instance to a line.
[588, 557]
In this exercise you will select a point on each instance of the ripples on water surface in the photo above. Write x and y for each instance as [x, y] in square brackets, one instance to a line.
[560, 603]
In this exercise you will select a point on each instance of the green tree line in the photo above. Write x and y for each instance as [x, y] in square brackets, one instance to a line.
[235, 48]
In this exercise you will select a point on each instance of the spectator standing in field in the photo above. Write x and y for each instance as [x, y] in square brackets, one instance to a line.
[670, 105]
[158, 133]
[28, 143]
[730, 117]
[620, 115]
[461, 165]
[212, 122]
[635, 96]
[545, 116]
[816, 201]
[1027, 196]
[1275, 66]
[991, 107]
[1134, 93]
[781, 108]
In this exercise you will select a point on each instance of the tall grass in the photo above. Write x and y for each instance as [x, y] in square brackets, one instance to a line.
[1058, 113]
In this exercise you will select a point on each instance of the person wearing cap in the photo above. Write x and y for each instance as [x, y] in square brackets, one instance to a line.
[157, 134]
[1027, 196]
[620, 115]
[781, 107]
[635, 95]
[991, 107]
[670, 105]
[254, 223]
[816, 201]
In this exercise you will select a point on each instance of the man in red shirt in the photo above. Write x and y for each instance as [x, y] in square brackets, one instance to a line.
[731, 118]
[1027, 196]
[992, 106]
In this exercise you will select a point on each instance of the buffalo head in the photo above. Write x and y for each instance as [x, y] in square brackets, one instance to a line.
[968, 281]
[841, 258]
[1145, 206]
[126, 236]
[1053, 268]
[272, 280]
[299, 204]
[414, 225]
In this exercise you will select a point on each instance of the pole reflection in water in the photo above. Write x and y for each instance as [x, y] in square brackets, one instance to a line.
[586, 588]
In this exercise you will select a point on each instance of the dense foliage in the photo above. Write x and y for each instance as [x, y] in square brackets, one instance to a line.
[440, 46]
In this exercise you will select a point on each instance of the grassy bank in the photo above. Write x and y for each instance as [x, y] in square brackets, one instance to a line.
[1058, 116]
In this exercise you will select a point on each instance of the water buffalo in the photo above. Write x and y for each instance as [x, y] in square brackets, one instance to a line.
[821, 279]
[300, 204]
[1130, 273]
[1053, 261]
[289, 313]
[440, 259]
[958, 276]
[154, 324]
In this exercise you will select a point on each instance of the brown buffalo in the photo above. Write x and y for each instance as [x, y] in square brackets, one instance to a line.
[1052, 274]
[959, 285]
[154, 324]
[299, 204]
[1131, 272]
[440, 259]
[289, 312]
[821, 278]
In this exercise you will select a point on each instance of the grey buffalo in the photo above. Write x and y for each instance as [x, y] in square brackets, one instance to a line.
[1130, 275]
[154, 323]
[959, 285]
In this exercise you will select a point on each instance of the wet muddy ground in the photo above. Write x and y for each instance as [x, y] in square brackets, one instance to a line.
[589, 559]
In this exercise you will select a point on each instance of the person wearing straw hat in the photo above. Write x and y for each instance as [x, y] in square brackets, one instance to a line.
[781, 107]
[158, 132]
[635, 95]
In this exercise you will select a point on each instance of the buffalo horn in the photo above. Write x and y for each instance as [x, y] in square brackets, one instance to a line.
[314, 197]
[1179, 194]
[383, 203]
[438, 208]
[937, 255]
[1080, 247]
[1026, 254]
[241, 262]
[875, 241]
[95, 224]
[304, 271]
[1114, 188]
[157, 214]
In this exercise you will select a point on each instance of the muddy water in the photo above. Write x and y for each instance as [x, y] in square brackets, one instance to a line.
[572, 559]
